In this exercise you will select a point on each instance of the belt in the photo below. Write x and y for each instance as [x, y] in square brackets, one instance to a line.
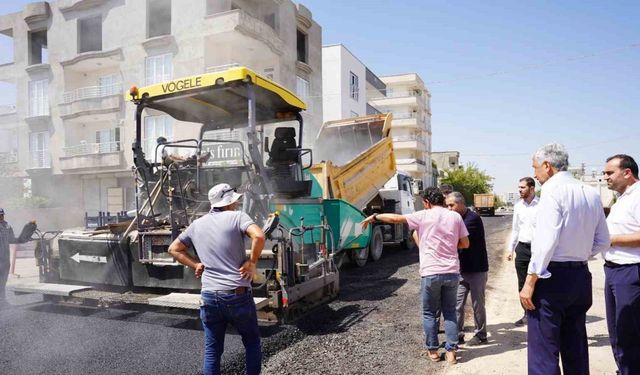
[568, 264]
[237, 291]
[616, 265]
[525, 243]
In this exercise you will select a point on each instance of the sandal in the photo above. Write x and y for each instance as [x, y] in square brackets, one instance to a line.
[450, 356]
[432, 354]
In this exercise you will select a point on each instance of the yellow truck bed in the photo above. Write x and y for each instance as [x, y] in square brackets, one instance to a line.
[357, 158]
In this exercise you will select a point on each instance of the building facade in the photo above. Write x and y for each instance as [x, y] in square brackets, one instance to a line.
[70, 128]
[409, 100]
[348, 86]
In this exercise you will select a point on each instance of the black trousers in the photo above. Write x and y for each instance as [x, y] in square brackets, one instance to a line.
[557, 327]
[523, 256]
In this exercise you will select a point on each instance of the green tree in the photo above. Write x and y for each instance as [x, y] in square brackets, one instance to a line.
[468, 180]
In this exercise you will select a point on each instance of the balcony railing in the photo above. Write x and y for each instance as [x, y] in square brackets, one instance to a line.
[91, 148]
[8, 157]
[40, 159]
[7, 109]
[92, 92]
[219, 68]
[404, 115]
[402, 94]
[410, 161]
[407, 138]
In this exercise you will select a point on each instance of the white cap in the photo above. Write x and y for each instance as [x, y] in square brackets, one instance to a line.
[223, 195]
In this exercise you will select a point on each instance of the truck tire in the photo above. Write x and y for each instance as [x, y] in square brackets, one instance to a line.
[376, 245]
[360, 256]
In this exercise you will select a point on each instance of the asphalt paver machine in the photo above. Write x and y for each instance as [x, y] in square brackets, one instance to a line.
[250, 132]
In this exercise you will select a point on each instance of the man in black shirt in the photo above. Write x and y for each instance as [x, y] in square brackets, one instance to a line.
[474, 266]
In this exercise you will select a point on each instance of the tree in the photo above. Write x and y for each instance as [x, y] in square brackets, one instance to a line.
[468, 180]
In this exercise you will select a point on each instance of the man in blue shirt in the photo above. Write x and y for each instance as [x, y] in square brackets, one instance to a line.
[474, 268]
[218, 238]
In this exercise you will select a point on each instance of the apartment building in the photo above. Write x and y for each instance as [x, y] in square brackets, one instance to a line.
[409, 100]
[348, 85]
[70, 129]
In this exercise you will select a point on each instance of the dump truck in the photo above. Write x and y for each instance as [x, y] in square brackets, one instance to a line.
[484, 204]
[250, 136]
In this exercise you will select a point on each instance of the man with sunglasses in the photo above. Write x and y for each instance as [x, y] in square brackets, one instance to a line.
[218, 238]
[622, 263]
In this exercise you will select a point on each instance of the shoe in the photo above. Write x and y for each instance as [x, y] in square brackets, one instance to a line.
[432, 354]
[521, 322]
[475, 341]
[450, 356]
[461, 339]
[14, 276]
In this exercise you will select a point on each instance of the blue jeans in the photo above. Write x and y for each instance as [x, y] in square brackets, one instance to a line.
[216, 312]
[439, 293]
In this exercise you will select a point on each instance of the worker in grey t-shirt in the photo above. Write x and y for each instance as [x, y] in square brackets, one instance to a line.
[218, 239]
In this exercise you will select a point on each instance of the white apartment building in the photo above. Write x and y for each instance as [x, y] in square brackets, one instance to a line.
[70, 129]
[347, 85]
[409, 100]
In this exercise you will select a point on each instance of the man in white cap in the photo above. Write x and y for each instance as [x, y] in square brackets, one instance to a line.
[7, 237]
[218, 238]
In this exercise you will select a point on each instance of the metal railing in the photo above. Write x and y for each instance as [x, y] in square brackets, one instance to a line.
[92, 92]
[410, 161]
[40, 159]
[8, 157]
[91, 148]
[404, 115]
[7, 109]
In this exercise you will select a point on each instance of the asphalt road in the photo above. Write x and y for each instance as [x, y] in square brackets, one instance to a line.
[38, 337]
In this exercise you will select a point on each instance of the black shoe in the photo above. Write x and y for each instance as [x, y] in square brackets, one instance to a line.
[521, 322]
[461, 339]
[475, 341]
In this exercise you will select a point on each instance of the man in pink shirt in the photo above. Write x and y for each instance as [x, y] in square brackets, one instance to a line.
[441, 233]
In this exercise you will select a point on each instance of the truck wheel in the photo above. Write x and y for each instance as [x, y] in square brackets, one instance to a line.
[359, 256]
[376, 245]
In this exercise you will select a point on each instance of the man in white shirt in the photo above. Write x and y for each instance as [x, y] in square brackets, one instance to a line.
[622, 264]
[570, 228]
[524, 216]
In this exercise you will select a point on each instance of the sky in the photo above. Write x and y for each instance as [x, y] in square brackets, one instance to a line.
[506, 77]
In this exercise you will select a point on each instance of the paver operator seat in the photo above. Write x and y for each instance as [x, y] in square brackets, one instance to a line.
[286, 164]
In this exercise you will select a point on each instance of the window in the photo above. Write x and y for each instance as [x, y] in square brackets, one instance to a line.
[302, 89]
[38, 53]
[158, 18]
[158, 69]
[39, 98]
[39, 148]
[301, 44]
[6, 46]
[109, 85]
[90, 34]
[154, 127]
[8, 146]
[270, 19]
[108, 140]
[354, 90]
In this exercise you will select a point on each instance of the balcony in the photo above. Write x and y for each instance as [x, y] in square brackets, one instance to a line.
[404, 98]
[94, 60]
[240, 28]
[408, 143]
[91, 100]
[8, 157]
[39, 163]
[91, 156]
[411, 165]
[7, 109]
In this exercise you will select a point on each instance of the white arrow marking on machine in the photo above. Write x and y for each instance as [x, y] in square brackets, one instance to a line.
[89, 258]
